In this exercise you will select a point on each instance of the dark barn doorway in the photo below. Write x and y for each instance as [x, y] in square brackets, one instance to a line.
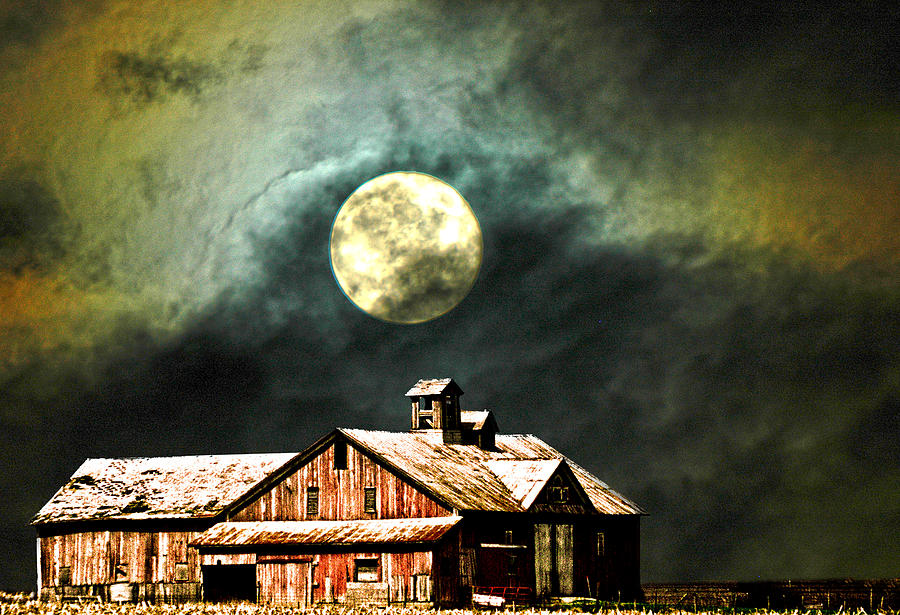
[229, 583]
[500, 565]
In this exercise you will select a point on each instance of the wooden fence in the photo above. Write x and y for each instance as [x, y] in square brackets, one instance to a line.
[832, 594]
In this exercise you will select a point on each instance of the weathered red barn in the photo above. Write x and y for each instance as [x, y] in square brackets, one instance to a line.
[432, 515]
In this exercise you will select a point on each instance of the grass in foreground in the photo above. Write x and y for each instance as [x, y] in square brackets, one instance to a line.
[16, 604]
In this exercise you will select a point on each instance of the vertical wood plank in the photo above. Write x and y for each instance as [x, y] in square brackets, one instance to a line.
[565, 561]
[543, 563]
[39, 554]
[341, 493]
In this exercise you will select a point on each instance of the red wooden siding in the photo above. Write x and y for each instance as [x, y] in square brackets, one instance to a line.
[141, 557]
[394, 570]
[284, 582]
[220, 559]
[341, 493]
[302, 579]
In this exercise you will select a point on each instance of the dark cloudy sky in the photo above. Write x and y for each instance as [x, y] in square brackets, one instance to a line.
[691, 228]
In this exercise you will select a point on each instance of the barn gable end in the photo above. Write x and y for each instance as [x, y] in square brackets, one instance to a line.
[562, 494]
[337, 479]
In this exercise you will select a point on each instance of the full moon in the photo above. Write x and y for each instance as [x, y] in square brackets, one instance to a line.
[405, 247]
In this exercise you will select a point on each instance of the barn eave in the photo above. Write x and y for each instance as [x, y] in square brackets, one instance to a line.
[332, 533]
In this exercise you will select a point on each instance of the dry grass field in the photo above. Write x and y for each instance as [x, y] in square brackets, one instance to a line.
[13, 604]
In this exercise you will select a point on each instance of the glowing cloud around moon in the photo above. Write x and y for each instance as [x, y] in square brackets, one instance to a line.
[405, 247]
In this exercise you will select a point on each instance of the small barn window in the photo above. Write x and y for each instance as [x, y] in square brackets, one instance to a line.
[340, 455]
[65, 575]
[559, 495]
[369, 500]
[426, 418]
[508, 537]
[422, 592]
[601, 544]
[367, 570]
[312, 501]
[182, 572]
[512, 570]
[121, 571]
[451, 414]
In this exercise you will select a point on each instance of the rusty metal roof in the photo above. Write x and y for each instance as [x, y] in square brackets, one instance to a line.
[158, 487]
[466, 477]
[525, 478]
[476, 418]
[507, 478]
[434, 386]
[231, 534]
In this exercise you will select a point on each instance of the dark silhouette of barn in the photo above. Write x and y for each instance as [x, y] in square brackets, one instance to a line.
[437, 514]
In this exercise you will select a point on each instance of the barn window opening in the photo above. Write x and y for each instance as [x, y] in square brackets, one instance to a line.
[512, 571]
[367, 570]
[312, 501]
[340, 455]
[369, 500]
[601, 544]
[65, 575]
[182, 572]
[426, 418]
[422, 591]
[451, 413]
[508, 537]
[559, 495]
[121, 572]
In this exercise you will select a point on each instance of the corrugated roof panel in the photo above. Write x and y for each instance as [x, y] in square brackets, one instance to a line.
[380, 531]
[604, 499]
[462, 474]
[454, 472]
[158, 487]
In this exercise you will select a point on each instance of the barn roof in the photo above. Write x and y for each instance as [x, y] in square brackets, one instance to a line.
[506, 478]
[467, 477]
[477, 418]
[433, 386]
[158, 487]
[368, 531]
[525, 478]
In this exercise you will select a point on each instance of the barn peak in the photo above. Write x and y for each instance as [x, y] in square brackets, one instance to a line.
[435, 408]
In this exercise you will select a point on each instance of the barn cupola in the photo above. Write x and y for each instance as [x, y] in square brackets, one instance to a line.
[435, 406]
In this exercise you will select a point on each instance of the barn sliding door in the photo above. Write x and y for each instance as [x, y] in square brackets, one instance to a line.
[283, 583]
[543, 560]
[565, 560]
[554, 565]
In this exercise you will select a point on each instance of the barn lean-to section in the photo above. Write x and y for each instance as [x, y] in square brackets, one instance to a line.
[434, 515]
[349, 561]
[121, 528]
